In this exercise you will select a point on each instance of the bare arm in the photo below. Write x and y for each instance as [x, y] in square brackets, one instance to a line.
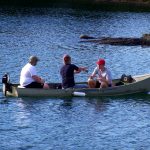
[93, 75]
[38, 79]
[80, 69]
[103, 79]
[107, 78]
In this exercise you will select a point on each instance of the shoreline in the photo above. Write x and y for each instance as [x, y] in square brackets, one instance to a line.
[112, 5]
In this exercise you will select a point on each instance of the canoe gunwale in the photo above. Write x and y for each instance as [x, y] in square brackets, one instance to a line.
[141, 84]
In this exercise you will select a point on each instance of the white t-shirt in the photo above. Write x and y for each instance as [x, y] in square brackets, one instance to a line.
[26, 74]
[106, 74]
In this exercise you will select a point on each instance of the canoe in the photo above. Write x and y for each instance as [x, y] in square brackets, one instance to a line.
[141, 83]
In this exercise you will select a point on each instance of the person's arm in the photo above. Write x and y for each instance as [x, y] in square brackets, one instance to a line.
[81, 69]
[93, 74]
[78, 69]
[35, 77]
[38, 79]
[103, 79]
[109, 77]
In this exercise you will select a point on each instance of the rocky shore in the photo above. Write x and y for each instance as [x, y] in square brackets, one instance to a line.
[135, 2]
[143, 41]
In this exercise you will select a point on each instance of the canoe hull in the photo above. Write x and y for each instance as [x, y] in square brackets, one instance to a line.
[142, 84]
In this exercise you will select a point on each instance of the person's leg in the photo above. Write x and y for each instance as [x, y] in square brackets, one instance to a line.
[46, 86]
[105, 85]
[91, 83]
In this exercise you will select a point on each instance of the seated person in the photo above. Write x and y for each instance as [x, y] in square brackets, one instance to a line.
[67, 72]
[104, 78]
[29, 77]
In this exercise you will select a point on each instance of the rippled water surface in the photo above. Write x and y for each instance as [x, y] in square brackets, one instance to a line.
[75, 123]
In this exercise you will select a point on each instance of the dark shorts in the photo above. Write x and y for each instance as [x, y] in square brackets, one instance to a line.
[98, 84]
[34, 85]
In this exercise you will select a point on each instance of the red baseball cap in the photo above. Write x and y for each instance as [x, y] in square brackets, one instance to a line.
[101, 62]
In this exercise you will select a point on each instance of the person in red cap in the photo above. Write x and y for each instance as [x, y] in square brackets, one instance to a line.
[67, 72]
[103, 79]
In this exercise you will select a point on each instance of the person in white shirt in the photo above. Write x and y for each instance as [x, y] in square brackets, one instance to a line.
[104, 78]
[29, 77]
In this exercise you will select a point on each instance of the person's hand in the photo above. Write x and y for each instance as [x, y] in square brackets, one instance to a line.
[84, 69]
[102, 79]
[92, 76]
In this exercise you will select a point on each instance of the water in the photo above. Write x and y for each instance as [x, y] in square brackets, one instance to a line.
[75, 123]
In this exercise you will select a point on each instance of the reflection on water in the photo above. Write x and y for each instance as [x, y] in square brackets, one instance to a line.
[67, 103]
[49, 122]
[100, 105]
[22, 117]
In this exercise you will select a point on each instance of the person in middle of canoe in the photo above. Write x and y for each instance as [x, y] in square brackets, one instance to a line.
[104, 78]
[67, 72]
[29, 77]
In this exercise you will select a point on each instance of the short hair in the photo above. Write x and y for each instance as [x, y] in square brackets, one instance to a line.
[33, 59]
[66, 59]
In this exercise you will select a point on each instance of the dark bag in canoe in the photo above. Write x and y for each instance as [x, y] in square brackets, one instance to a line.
[126, 78]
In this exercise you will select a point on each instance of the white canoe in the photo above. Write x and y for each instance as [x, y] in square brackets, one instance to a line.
[140, 84]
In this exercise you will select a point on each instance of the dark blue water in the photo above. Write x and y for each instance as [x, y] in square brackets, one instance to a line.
[75, 123]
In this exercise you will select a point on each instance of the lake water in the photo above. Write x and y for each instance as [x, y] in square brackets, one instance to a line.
[75, 123]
